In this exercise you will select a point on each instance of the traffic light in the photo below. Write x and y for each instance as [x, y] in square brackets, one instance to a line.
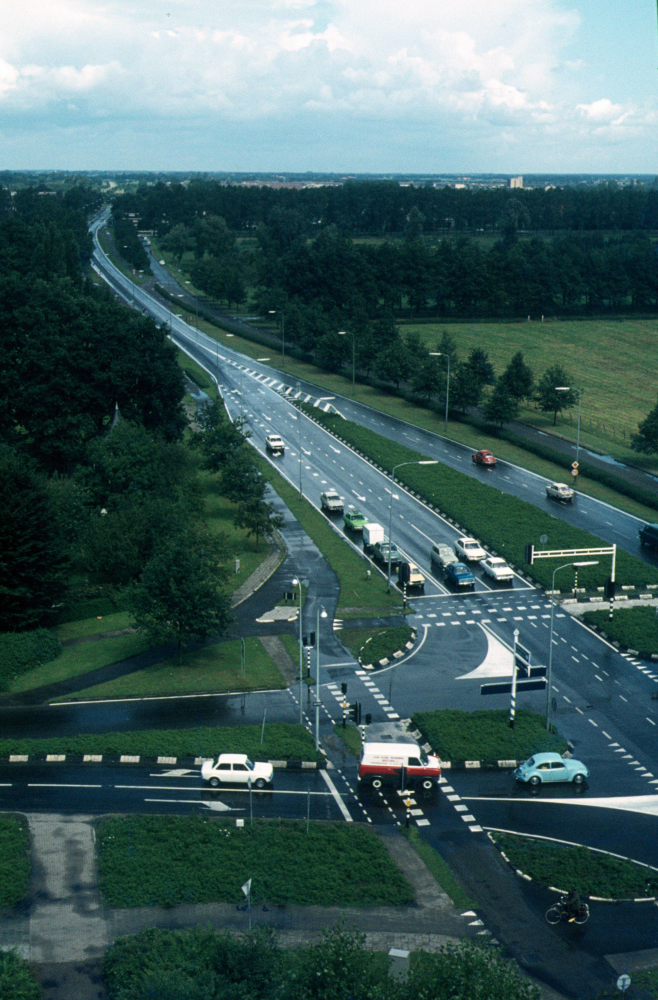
[355, 712]
[403, 572]
[309, 640]
[529, 553]
[343, 687]
[610, 589]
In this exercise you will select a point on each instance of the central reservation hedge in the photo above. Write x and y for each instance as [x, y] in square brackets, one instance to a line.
[503, 522]
[636, 628]
[486, 735]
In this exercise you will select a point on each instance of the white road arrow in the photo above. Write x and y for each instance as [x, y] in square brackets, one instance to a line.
[362, 499]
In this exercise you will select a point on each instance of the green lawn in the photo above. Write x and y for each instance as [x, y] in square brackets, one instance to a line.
[486, 735]
[166, 860]
[214, 668]
[440, 869]
[577, 867]
[636, 628]
[76, 660]
[350, 736]
[15, 864]
[93, 626]
[220, 512]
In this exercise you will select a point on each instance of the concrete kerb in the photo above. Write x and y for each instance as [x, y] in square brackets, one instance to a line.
[564, 892]
[394, 656]
[262, 574]
[113, 759]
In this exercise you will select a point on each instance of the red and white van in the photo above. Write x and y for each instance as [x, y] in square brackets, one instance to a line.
[382, 764]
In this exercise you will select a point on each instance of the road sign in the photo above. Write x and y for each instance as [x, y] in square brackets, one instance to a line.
[574, 465]
[506, 688]
[246, 888]
[522, 659]
[543, 539]
[623, 982]
[574, 472]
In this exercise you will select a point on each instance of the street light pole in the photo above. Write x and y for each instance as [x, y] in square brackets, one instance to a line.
[343, 333]
[441, 354]
[272, 312]
[390, 513]
[298, 583]
[549, 673]
[321, 614]
[299, 417]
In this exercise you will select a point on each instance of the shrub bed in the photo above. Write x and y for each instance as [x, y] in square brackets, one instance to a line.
[17, 981]
[577, 867]
[166, 860]
[501, 521]
[486, 735]
[282, 741]
[636, 628]
[22, 651]
[15, 865]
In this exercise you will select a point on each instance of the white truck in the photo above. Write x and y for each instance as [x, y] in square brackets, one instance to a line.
[372, 533]
[401, 764]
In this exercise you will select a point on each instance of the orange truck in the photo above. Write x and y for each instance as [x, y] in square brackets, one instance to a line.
[399, 764]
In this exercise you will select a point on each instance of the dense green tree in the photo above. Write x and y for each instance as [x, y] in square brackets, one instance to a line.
[178, 240]
[447, 348]
[427, 378]
[218, 439]
[241, 478]
[393, 364]
[501, 407]
[32, 552]
[465, 388]
[547, 396]
[646, 439]
[480, 368]
[519, 378]
[258, 516]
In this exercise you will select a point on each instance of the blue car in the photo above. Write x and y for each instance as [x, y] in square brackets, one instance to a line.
[459, 576]
[545, 767]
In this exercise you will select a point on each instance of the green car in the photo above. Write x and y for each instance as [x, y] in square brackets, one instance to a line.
[354, 519]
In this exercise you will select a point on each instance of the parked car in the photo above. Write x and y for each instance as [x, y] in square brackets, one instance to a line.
[469, 550]
[354, 520]
[483, 457]
[459, 576]
[236, 768]
[409, 573]
[331, 502]
[649, 535]
[274, 444]
[381, 550]
[544, 767]
[497, 568]
[559, 491]
[441, 557]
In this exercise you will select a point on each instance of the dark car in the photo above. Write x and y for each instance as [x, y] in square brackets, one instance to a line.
[484, 457]
[649, 535]
[459, 576]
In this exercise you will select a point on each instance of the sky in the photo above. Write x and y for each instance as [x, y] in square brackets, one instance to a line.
[347, 86]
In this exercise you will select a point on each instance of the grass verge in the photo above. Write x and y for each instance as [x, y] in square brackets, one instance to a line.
[15, 865]
[594, 874]
[439, 868]
[350, 736]
[636, 628]
[486, 735]
[501, 521]
[76, 660]
[373, 645]
[213, 668]
[93, 626]
[166, 860]
[281, 741]
[355, 589]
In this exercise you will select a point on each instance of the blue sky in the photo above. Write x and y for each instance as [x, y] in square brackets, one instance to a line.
[515, 86]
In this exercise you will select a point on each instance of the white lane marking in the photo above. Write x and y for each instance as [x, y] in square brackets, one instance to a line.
[55, 784]
[339, 802]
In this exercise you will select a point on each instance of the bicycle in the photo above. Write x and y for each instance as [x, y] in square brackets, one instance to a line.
[559, 911]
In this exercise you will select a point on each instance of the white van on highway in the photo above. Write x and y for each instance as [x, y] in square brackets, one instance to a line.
[382, 764]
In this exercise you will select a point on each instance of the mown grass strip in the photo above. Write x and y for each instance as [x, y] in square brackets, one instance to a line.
[578, 868]
[486, 735]
[501, 521]
[350, 736]
[636, 628]
[282, 741]
[15, 864]
[167, 860]
[440, 869]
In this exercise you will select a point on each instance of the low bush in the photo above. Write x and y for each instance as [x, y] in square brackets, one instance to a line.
[17, 981]
[166, 860]
[22, 651]
[501, 521]
[282, 741]
[636, 628]
[486, 735]
[578, 868]
[15, 865]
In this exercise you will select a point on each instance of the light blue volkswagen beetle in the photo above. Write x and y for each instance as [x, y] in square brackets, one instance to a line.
[545, 767]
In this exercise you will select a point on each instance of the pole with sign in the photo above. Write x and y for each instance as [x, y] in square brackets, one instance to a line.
[512, 704]
[246, 888]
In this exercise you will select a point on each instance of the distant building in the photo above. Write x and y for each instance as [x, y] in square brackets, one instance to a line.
[516, 182]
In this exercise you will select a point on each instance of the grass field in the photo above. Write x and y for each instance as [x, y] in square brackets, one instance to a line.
[614, 361]
[375, 644]
[214, 668]
[93, 626]
[76, 660]
[165, 860]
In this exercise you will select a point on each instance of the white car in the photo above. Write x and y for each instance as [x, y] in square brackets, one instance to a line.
[496, 568]
[274, 444]
[236, 769]
[469, 550]
[559, 491]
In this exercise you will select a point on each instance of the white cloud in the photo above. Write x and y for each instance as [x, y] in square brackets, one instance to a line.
[602, 110]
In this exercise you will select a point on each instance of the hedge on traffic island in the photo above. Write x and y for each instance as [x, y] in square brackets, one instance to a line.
[167, 860]
[484, 735]
[633, 628]
[281, 741]
[565, 867]
[502, 522]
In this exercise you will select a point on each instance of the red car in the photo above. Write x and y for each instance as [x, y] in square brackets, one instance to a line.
[484, 457]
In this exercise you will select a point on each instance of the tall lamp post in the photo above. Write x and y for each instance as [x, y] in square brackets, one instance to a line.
[321, 614]
[272, 312]
[298, 583]
[429, 461]
[572, 388]
[549, 675]
[343, 333]
[299, 417]
[441, 354]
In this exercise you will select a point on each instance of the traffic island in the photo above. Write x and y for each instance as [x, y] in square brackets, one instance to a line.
[378, 647]
[484, 738]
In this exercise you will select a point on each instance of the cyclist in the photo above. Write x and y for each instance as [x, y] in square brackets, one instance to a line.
[571, 905]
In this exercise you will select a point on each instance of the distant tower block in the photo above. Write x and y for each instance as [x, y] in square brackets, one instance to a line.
[516, 182]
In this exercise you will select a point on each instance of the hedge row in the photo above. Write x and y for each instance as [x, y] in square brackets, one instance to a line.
[486, 735]
[15, 864]
[166, 860]
[502, 522]
[21, 651]
[636, 628]
[17, 980]
[282, 741]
